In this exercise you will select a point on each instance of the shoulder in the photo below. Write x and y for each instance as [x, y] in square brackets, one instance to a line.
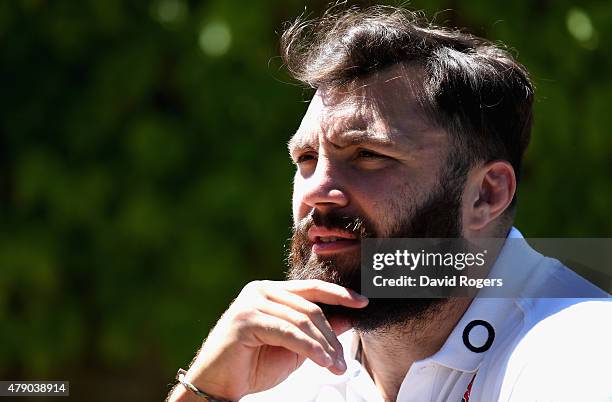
[563, 352]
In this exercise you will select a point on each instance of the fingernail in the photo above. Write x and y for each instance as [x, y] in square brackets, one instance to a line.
[340, 364]
[328, 360]
[361, 297]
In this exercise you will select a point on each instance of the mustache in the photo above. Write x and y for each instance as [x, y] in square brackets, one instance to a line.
[355, 225]
[299, 250]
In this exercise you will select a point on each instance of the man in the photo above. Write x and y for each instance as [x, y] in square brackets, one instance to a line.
[414, 131]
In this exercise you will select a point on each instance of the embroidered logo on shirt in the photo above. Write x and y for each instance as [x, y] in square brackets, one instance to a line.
[490, 337]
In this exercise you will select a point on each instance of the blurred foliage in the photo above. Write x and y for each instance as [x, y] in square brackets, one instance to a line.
[144, 177]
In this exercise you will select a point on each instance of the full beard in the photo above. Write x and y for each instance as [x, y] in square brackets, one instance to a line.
[437, 217]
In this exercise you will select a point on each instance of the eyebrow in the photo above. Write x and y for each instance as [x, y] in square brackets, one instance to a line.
[346, 139]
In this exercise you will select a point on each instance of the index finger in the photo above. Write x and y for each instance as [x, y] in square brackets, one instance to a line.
[319, 291]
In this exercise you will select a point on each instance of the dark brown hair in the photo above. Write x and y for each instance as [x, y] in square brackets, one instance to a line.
[472, 88]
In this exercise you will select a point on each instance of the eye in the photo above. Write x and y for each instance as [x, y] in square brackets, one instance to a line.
[305, 158]
[364, 153]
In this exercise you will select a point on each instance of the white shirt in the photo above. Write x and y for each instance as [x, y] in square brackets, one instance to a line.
[544, 349]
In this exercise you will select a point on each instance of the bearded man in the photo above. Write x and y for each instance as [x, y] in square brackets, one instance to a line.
[414, 131]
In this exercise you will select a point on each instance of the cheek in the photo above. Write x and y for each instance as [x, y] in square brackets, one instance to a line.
[296, 201]
[391, 202]
[295, 210]
[383, 200]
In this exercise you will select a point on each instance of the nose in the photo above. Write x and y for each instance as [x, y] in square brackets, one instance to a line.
[324, 189]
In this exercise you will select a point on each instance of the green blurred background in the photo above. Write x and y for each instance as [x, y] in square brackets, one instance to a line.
[144, 176]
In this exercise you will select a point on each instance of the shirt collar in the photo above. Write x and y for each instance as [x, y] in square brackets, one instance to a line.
[500, 313]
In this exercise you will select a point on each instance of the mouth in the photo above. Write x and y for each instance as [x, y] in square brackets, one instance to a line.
[329, 241]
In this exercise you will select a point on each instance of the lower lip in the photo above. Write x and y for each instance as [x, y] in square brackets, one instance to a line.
[334, 246]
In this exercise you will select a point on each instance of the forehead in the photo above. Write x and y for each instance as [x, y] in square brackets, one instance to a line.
[384, 106]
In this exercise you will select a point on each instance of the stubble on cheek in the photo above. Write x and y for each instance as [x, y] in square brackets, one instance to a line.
[395, 208]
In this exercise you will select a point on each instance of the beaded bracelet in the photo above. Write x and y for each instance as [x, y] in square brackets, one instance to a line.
[180, 376]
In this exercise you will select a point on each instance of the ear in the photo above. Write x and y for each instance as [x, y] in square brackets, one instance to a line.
[489, 191]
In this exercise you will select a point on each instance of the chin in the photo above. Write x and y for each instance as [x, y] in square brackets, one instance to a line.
[383, 314]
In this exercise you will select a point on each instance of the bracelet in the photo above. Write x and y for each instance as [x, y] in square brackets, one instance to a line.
[180, 376]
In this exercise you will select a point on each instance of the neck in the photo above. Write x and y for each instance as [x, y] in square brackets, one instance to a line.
[388, 353]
